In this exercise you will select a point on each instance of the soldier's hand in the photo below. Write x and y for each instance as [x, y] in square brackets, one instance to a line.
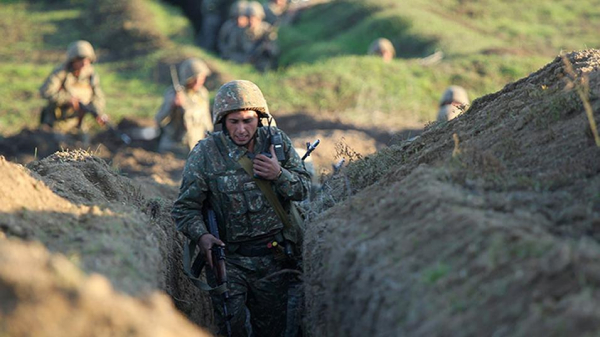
[74, 103]
[178, 100]
[102, 119]
[207, 241]
[265, 167]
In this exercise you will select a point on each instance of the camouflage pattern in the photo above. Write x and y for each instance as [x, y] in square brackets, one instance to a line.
[192, 68]
[186, 124]
[231, 41]
[212, 174]
[273, 12]
[254, 8]
[260, 46]
[61, 85]
[239, 95]
[453, 102]
[82, 49]
[381, 45]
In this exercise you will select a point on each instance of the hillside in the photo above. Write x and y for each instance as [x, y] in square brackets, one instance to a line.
[484, 225]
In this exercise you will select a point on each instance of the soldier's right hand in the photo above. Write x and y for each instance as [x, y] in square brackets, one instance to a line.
[74, 103]
[178, 100]
[207, 241]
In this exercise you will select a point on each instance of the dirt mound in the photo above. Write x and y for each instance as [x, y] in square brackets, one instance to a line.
[335, 144]
[46, 295]
[493, 231]
[123, 27]
[117, 230]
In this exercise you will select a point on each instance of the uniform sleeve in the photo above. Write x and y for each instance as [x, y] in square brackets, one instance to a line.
[165, 109]
[187, 210]
[294, 181]
[98, 100]
[52, 88]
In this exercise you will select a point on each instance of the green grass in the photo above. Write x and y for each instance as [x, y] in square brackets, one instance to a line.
[324, 70]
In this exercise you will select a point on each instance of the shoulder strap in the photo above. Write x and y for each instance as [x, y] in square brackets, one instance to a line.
[265, 187]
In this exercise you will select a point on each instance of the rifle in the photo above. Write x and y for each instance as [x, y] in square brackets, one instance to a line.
[310, 148]
[175, 80]
[219, 269]
[88, 108]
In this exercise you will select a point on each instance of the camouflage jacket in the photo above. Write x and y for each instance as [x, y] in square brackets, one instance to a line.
[258, 39]
[194, 113]
[61, 85]
[212, 173]
[230, 41]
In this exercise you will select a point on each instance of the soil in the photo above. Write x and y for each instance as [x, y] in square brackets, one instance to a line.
[485, 225]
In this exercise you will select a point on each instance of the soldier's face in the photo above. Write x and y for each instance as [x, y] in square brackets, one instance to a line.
[242, 126]
[196, 83]
[80, 63]
[242, 21]
[255, 21]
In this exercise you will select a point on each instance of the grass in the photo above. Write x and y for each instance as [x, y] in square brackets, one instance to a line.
[324, 70]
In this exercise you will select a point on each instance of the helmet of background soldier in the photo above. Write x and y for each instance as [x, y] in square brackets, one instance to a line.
[238, 8]
[381, 45]
[239, 95]
[191, 68]
[80, 49]
[255, 9]
[454, 94]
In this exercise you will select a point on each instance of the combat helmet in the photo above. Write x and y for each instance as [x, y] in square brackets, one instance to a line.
[81, 49]
[455, 94]
[238, 8]
[379, 46]
[191, 68]
[239, 95]
[254, 8]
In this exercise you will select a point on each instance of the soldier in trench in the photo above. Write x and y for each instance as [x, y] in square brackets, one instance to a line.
[383, 48]
[73, 90]
[454, 101]
[219, 172]
[184, 116]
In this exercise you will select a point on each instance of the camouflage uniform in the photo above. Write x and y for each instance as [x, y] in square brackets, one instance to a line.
[247, 222]
[273, 12]
[453, 102]
[230, 40]
[260, 40]
[190, 122]
[381, 46]
[213, 17]
[62, 85]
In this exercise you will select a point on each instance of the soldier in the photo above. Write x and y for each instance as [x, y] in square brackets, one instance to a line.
[260, 39]
[184, 115]
[219, 172]
[230, 41]
[384, 48]
[214, 14]
[73, 89]
[453, 102]
[274, 9]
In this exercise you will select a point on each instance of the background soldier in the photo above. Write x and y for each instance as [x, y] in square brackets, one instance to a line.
[274, 9]
[230, 40]
[260, 39]
[73, 89]
[184, 115]
[250, 228]
[453, 102]
[384, 48]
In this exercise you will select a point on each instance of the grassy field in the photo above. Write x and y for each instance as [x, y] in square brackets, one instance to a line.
[323, 67]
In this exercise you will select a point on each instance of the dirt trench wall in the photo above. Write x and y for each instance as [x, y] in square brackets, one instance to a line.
[75, 204]
[492, 232]
[44, 294]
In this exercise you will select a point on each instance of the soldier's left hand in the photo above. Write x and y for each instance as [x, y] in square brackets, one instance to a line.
[265, 167]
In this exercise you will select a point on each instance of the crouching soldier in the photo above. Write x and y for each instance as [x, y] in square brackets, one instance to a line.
[383, 48]
[73, 89]
[184, 116]
[249, 174]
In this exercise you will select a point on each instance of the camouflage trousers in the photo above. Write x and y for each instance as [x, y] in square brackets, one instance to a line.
[254, 287]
